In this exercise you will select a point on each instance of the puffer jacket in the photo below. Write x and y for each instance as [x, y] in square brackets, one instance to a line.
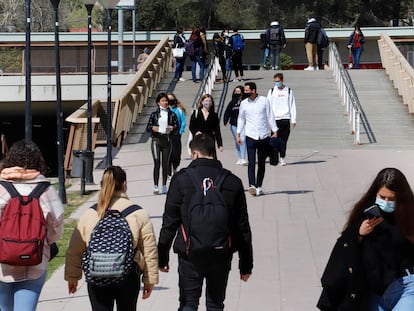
[153, 120]
[142, 233]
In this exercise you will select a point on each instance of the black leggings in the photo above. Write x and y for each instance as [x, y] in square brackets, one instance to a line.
[161, 148]
[125, 295]
[175, 157]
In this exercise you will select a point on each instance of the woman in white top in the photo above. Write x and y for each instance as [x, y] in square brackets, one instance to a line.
[162, 124]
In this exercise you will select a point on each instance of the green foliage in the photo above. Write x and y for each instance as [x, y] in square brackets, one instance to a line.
[11, 60]
[285, 62]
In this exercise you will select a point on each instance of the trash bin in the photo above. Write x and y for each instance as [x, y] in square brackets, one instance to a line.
[82, 160]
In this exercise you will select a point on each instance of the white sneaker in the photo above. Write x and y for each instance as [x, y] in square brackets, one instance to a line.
[238, 162]
[252, 190]
[309, 68]
[259, 191]
[182, 79]
[317, 68]
[236, 80]
[244, 162]
[155, 190]
[282, 162]
[164, 189]
[169, 178]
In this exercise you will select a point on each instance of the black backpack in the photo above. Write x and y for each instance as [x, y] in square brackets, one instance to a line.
[208, 230]
[322, 40]
[109, 256]
[274, 35]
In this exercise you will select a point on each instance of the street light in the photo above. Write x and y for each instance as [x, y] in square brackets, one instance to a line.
[28, 104]
[59, 114]
[109, 5]
[88, 157]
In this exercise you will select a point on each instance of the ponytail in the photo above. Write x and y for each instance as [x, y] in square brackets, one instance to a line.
[112, 180]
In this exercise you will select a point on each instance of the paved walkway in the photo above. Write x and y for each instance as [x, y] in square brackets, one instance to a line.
[296, 222]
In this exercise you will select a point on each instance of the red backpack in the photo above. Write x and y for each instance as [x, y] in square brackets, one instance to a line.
[22, 227]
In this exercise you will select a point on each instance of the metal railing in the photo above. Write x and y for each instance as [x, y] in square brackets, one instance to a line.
[398, 69]
[349, 97]
[125, 108]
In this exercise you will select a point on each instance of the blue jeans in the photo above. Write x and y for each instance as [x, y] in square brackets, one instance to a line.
[241, 150]
[265, 57]
[194, 61]
[179, 67]
[399, 296]
[21, 295]
[356, 55]
[259, 146]
[275, 55]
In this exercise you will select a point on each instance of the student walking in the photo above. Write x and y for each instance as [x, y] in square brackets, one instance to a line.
[24, 167]
[179, 42]
[230, 116]
[162, 125]
[256, 118]
[276, 39]
[311, 39]
[113, 198]
[210, 263]
[356, 45]
[237, 44]
[283, 104]
[205, 120]
[371, 265]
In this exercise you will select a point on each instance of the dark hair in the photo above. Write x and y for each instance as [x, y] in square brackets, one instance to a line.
[200, 104]
[251, 85]
[394, 180]
[26, 155]
[204, 144]
[159, 96]
[180, 30]
[278, 75]
[235, 30]
[240, 87]
[113, 179]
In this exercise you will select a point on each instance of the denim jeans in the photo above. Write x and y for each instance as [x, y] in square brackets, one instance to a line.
[179, 67]
[259, 146]
[356, 55]
[194, 61]
[399, 296]
[21, 295]
[275, 55]
[241, 150]
[265, 57]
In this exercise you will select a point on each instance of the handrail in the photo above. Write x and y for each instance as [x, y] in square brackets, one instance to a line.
[398, 69]
[125, 108]
[349, 96]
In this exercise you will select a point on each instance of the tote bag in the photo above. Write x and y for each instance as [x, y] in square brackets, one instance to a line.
[178, 52]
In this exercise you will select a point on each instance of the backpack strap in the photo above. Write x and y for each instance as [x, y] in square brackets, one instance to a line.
[129, 210]
[36, 192]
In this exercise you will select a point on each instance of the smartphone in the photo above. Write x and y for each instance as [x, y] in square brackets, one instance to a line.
[372, 211]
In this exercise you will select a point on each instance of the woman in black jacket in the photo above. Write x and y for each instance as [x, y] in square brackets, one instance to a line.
[383, 244]
[162, 124]
[205, 120]
[218, 42]
[230, 116]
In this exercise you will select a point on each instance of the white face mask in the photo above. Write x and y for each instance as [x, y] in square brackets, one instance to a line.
[207, 104]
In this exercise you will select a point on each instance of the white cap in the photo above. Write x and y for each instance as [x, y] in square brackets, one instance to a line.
[274, 23]
[310, 20]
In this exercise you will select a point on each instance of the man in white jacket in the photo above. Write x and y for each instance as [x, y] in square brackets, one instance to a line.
[283, 105]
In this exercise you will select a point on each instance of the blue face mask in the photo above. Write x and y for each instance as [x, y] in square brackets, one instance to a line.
[386, 206]
[278, 84]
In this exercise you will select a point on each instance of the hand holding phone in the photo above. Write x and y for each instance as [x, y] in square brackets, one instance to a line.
[372, 211]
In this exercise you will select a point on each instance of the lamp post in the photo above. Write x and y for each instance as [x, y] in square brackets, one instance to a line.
[109, 5]
[89, 4]
[28, 103]
[59, 114]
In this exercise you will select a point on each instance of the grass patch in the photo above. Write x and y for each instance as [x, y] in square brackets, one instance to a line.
[74, 200]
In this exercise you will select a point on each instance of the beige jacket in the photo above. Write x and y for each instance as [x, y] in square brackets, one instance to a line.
[142, 232]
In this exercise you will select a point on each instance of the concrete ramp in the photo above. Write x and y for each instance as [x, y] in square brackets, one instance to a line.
[390, 121]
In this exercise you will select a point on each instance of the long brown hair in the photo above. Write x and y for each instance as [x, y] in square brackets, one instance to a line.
[394, 180]
[113, 180]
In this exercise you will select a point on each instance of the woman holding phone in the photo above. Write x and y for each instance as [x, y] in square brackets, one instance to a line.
[374, 257]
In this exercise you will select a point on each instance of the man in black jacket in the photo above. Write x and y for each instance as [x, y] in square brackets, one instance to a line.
[311, 39]
[213, 266]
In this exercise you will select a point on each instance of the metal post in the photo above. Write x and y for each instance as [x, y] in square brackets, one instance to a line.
[120, 39]
[109, 97]
[133, 67]
[89, 156]
[28, 104]
[59, 114]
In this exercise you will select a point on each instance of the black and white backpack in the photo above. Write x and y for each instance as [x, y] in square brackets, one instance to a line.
[109, 256]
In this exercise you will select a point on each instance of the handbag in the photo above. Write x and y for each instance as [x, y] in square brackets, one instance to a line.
[178, 52]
